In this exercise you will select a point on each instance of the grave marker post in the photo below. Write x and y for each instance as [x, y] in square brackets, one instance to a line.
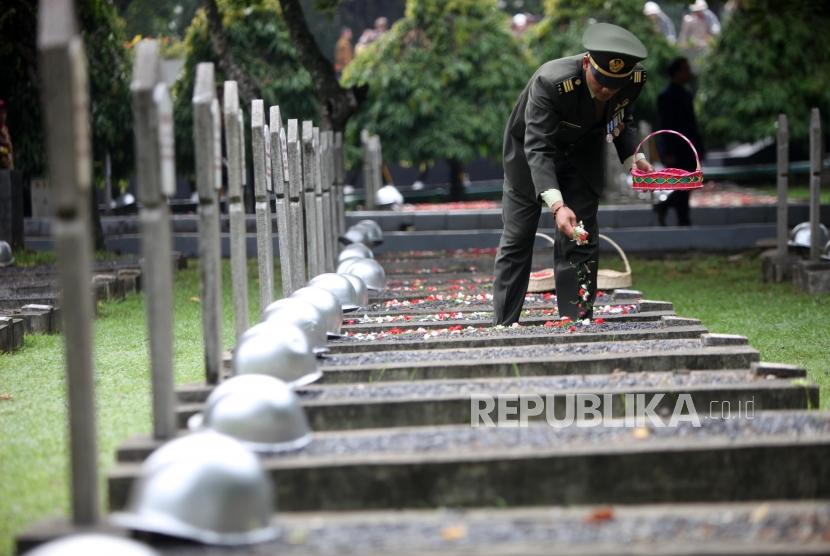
[262, 205]
[296, 192]
[65, 101]
[236, 207]
[783, 179]
[319, 210]
[816, 152]
[339, 178]
[278, 176]
[156, 176]
[310, 200]
[206, 136]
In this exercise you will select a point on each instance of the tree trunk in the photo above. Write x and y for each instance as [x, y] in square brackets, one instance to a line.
[336, 103]
[248, 89]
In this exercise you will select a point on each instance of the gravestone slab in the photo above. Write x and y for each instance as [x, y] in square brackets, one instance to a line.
[812, 276]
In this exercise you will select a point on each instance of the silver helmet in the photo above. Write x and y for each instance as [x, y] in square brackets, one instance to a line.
[326, 302]
[340, 287]
[205, 487]
[800, 235]
[355, 250]
[279, 350]
[258, 410]
[826, 253]
[298, 311]
[359, 287]
[92, 544]
[373, 230]
[369, 270]
[388, 196]
[6, 255]
[356, 235]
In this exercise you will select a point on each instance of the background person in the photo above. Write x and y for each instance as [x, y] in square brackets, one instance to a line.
[675, 111]
[371, 35]
[343, 52]
[662, 22]
[6, 147]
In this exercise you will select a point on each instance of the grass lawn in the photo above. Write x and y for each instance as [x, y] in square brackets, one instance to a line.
[727, 295]
[796, 193]
[33, 443]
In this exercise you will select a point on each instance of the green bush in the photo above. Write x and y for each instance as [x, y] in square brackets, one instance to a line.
[773, 57]
[441, 83]
[259, 41]
[109, 75]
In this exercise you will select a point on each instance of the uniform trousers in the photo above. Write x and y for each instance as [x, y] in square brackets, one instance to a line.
[575, 266]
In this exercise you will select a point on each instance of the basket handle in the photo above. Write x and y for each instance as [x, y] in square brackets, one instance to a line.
[672, 132]
[616, 246]
[546, 237]
[613, 243]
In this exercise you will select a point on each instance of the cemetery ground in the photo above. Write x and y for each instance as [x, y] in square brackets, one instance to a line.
[726, 293]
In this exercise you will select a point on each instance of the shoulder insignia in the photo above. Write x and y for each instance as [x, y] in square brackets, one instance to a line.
[639, 76]
[568, 85]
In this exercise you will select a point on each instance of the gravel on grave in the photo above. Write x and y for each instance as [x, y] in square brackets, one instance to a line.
[444, 310]
[456, 531]
[446, 300]
[465, 439]
[428, 270]
[501, 353]
[488, 331]
[443, 254]
[393, 280]
[552, 384]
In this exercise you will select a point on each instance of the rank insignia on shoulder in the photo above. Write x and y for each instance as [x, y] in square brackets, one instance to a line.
[639, 76]
[568, 85]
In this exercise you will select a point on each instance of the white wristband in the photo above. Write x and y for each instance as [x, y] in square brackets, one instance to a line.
[551, 197]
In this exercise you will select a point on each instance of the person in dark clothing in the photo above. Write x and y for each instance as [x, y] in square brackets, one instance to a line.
[675, 111]
[554, 155]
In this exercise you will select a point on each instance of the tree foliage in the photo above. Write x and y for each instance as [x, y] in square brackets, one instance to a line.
[772, 58]
[109, 72]
[260, 43]
[560, 34]
[159, 18]
[441, 83]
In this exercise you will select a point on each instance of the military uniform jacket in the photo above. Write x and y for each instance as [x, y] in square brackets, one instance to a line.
[555, 121]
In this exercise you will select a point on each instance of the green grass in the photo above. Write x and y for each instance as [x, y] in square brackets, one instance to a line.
[785, 325]
[33, 444]
[28, 257]
[795, 193]
[727, 295]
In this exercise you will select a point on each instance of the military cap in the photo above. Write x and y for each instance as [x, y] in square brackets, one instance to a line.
[613, 53]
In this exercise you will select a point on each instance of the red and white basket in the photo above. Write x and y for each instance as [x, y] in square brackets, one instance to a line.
[668, 178]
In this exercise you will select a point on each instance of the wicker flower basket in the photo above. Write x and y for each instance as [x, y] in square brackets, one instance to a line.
[607, 279]
[668, 178]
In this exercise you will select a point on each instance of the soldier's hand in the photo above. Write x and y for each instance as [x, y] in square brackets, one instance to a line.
[644, 165]
[565, 220]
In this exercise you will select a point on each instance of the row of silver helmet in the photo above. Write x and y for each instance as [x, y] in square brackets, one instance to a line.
[220, 495]
[356, 257]
[209, 486]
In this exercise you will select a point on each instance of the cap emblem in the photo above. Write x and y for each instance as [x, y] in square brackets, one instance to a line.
[616, 65]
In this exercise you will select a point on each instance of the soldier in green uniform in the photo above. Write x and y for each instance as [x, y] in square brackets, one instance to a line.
[554, 153]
